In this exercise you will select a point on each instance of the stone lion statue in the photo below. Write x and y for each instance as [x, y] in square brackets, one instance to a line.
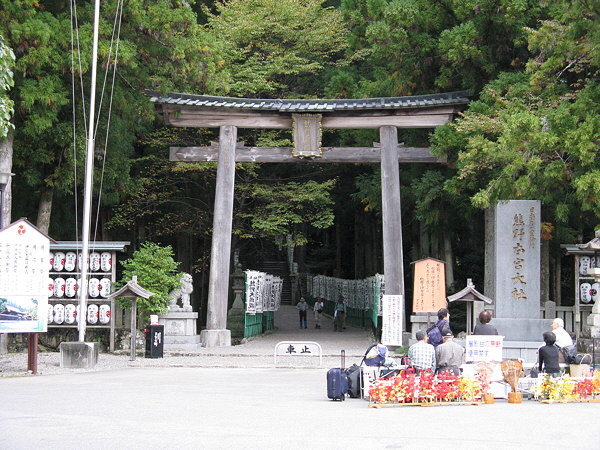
[182, 292]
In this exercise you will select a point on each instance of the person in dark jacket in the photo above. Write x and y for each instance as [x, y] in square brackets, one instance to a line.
[548, 355]
[484, 327]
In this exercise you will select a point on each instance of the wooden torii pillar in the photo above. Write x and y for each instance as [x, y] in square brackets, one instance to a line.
[306, 118]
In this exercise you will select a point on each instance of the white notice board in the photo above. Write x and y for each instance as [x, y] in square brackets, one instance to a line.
[391, 327]
[483, 348]
[24, 269]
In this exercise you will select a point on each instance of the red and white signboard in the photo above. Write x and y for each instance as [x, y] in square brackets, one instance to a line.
[24, 272]
[391, 331]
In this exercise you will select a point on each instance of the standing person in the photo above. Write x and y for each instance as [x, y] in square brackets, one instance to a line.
[484, 327]
[421, 355]
[548, 355]
[318, 311]
[338, 315]
[436, 332]
[302, 308]
[449, 355]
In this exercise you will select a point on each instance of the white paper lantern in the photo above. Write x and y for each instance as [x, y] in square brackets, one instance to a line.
[59, 313]
[104, 314]
[80, 261]
[584, 264]
[50, 313]
[70, 287]
[70, 261]
[70, 313]
[50, 287]
[51, 261]
[105, 287]
[92, 314]
[59, 287]
[585, 289]
[595, 292]
[94, 262]
[94, 287]
[58, 264]
[105, 261]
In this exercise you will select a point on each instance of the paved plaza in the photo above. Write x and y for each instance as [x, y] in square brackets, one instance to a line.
[237, 398]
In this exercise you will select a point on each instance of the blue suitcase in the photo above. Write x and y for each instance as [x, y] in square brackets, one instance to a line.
[337, 382]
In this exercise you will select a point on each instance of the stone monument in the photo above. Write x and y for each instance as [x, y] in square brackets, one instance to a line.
[512, 275]
[180, 321]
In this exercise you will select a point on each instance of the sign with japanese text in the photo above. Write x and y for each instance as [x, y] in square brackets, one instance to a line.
[483, 348]
[517, 258]
[24, 272]
[429, 287]
[391, 331]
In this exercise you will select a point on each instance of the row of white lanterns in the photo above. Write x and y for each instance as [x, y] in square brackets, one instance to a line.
[60, 261]
[60, 287]
[69, 314]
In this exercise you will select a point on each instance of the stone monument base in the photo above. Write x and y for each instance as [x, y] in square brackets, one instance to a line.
[530, 330]
[216, 338]
[180, 331]
[79, 355]
[527, 351]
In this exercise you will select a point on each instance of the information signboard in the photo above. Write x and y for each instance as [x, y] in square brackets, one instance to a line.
[429, 288]
[391, 331]
[24, 270]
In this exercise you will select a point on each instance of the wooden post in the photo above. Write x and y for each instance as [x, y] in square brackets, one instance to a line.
[133, 327]
[218, 286]
[393, 267]
[32, 350]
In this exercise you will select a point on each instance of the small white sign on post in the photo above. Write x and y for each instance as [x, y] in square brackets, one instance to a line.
[391, 331]
[483, 348]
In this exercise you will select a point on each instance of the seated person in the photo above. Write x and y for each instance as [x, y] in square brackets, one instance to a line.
[548, 355]
[484, 327]
[449, 355]
[421, 355]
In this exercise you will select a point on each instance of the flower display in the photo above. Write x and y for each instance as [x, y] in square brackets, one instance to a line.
[567, 389]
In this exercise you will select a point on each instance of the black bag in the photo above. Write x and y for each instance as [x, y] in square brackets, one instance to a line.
[355, 381]
[570, 353]
[582, 359]
[533, 373]
[434, 334]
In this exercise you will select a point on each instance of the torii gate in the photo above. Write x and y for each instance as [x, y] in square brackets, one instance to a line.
[307, 118]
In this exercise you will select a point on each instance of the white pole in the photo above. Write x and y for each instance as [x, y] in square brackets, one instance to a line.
[89, 173]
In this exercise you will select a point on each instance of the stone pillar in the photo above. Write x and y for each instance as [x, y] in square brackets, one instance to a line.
[392, 218]
[3, 343]
[237, 314]
[216, 333]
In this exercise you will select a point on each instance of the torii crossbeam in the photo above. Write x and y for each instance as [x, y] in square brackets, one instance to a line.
[307, 118]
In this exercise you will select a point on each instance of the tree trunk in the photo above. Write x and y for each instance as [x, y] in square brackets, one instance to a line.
[557, 281]
[338, 250]
[45, 210]
[6, 154]
[424, 241]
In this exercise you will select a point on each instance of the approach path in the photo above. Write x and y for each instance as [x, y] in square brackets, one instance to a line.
[255, 352]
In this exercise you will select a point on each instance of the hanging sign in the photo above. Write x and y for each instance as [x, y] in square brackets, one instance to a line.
[24, 272]
[391, 333]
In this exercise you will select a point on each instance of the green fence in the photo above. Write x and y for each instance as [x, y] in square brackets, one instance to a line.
[253, 325]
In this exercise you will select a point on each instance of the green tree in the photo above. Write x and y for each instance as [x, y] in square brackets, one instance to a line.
[161, 46]
[275, 48]
[156, 271]
[7, 62]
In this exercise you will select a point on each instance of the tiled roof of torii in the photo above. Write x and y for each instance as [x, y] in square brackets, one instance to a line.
[311, 105]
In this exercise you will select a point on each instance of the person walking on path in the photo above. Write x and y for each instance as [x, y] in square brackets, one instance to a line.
[318, 311]
[302, 307]
[339, 314]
